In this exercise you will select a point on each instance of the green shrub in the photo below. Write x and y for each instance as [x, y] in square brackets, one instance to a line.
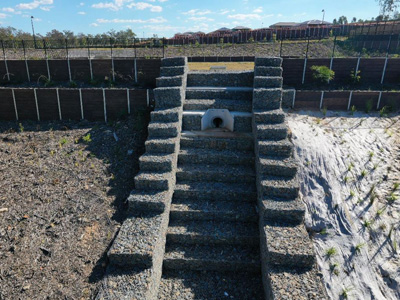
[322, 74]
[355, 77]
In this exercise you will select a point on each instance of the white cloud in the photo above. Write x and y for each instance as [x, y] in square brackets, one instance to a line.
[82, 4]
[116, 5]
[258, 10]
[46, 8]
[81, 13]
[162, 28]
[139, 21]
[144, 5]
[197, 12]
[94, 25]
[2, 16]
[8, 9]
[34, 4]
[244, 17]
[205, 19]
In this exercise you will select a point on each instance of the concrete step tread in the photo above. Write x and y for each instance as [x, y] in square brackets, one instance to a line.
[288, 244]
[282, 126]
[215, 156]
[278, 181]
[211, 140]
[211, 209]
[216, 186]
[217, 169]
[281, 209]
[281, 148]
[204, 104]
[214, 254]
[284, 281]
[161, 145]
[212, 232]
[163, 125]
[217, 88]
[211, 285]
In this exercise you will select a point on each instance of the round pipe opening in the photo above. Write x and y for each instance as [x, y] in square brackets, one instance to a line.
[217, 122]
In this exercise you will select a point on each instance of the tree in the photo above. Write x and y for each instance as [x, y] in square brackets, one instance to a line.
[354, 20]
[388, 6]
[343, 20]
[335, 22]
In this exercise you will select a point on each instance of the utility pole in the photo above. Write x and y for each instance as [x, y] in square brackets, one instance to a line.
[323, 16]
[33, 31]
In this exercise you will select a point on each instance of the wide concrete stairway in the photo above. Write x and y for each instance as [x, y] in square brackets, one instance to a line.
[212, 249]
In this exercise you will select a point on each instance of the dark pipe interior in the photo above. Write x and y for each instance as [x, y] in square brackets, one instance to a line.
[217, 122]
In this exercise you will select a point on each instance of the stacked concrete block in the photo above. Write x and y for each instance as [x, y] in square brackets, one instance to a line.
[139, 246]
[287, 254]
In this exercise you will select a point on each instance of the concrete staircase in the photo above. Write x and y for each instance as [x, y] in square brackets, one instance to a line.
[215, 214]
[287, 255]
[213, 230]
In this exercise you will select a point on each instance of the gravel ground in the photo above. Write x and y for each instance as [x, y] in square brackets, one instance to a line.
[62, 192]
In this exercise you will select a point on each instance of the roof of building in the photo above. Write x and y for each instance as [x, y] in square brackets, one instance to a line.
[241, 28]
[283, 24]
[315, 22]
[224, 29]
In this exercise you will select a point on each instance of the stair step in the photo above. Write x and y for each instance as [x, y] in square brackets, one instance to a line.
[192, 121]
[282, 148]
[245, 143]
[153, 181]
[222, 258]
[211, 285]
[234, 93]
[268, 71]
[212, 232]
[173, 71]
[287, 245]
[274, 132]
[214, 173]
[166, 115]
[160, 145]
[159, 129]
[235, 79]
[279, 209]
[204, 104]
[221, 191]
[268, 61]
[190, 209]
[156, 162]
[226, 157]
[169, 81]
[274, 186]
[174, 61]
[278, 166]
[276, 116]
[294, 283]
[268, 82]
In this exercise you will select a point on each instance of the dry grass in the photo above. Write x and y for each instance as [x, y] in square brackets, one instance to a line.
[230, 66]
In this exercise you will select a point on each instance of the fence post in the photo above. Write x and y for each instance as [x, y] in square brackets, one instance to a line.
[134, 46]
[68, 62]
[105, 105]
[81, 103]
[379, 100]
[112, 61]
[37, 105]
[5, 59]
[15, 104]
[90, 60]
[26, 61]
[128, 99]
[280, 52]
[47, 60]
[333, 55]
[386, 60]
[59, 105]
[322, 99]
[305, 62]
[351, 95]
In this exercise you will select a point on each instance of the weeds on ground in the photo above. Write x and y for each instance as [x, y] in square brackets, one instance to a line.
[87, 138]
[331, 252]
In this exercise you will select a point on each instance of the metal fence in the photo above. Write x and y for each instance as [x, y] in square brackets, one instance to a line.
[371, 40]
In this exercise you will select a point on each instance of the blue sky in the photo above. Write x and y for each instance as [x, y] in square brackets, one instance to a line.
[166, 17]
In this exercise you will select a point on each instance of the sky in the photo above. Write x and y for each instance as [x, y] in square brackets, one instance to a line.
[166, 17]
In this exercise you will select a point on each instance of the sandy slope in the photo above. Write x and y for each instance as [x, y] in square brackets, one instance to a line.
[360, 214]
